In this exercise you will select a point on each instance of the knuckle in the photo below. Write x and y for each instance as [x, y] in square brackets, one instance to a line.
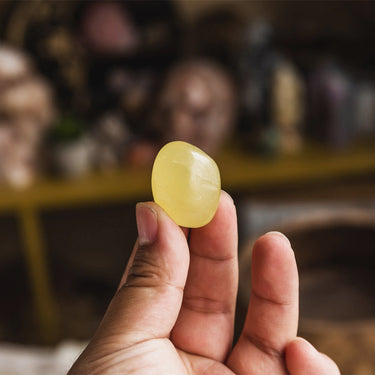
[146, 270]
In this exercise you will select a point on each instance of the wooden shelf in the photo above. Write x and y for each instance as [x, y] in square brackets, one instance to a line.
[238, 171]
[314, 164]
[126, 184]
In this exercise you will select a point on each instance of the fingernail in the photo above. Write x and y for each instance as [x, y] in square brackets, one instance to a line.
[147, 224]
[280, 235]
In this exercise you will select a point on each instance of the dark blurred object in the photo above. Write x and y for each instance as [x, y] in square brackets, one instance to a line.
[306, 31]
[215, 34]
[26, 111]
[331, 105]
[116, 88]
[73, 50]
[123, 63]
[196, 105]
[44, 29]
[134, 89]
[142, 30]
[256, 62]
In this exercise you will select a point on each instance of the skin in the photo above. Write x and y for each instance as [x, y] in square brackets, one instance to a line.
[174, 310]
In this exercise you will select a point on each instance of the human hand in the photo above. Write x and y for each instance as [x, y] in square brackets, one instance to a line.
[175, 307]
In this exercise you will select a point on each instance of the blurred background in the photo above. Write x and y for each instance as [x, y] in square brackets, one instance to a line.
[281, 94]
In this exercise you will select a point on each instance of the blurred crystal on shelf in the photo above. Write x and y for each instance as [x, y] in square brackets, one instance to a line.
[196, 105]
[288, 106]
[77, 149]
[110, 137]
[332, 105]
[215, 33]
[73, 159]
[365, 109]
[26, 112]
[272, 94]
[69, 147]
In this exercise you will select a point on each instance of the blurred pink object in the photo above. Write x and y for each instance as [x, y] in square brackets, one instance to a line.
[26, 111]
[196, 105]
[108, 28]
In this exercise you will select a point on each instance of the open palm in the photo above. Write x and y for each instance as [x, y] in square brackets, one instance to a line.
[174, 310]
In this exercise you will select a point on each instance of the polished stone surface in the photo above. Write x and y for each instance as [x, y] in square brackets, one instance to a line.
[186, 184]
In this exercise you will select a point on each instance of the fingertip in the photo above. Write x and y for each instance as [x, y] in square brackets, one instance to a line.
[300, 357]
[226, 197]
[225, 209]
[273, 239]
[303, 359]
[300, 347]
[273, 247]
[278, 235]
[224, 218]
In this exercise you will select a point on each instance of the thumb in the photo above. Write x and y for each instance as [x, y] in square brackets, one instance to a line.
[148, 302]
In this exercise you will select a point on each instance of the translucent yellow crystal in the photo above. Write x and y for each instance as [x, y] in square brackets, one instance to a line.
[186, 184]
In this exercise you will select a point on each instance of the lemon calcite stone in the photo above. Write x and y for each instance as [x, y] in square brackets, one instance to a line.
[186, 184]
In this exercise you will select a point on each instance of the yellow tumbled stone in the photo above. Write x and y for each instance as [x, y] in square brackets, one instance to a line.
[186, 184]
